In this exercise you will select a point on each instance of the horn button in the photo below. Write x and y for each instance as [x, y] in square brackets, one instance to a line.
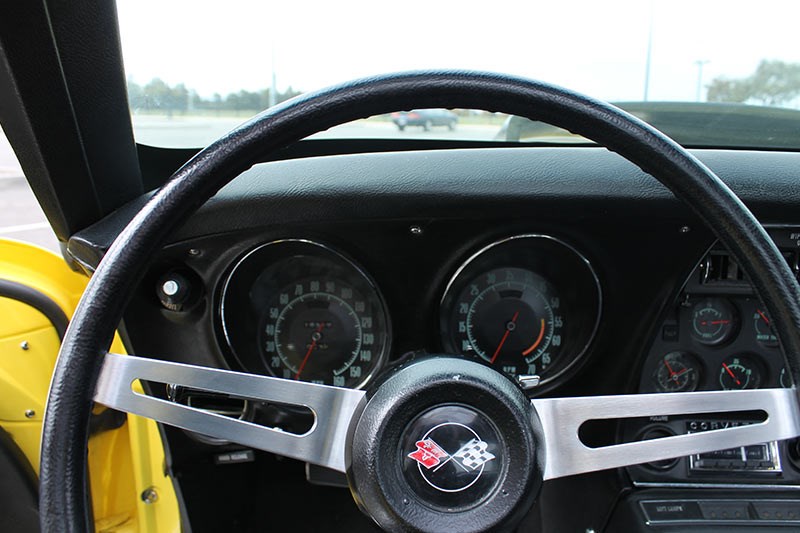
[445, 444]
[456, 457]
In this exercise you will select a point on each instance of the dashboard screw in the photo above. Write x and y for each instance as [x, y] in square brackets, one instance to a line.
[30, 413]
[149, 495]
[24, 345]
[416, 230]
[685, 229]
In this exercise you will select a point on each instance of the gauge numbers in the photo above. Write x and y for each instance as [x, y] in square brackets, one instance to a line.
[511, 318]
[526, 304]
[299, 310]
[322, 336]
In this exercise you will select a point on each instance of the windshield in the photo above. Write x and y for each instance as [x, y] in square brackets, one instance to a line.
[196, 70]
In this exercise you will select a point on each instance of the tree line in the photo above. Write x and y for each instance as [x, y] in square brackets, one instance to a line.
[773, 83]
[157, 95]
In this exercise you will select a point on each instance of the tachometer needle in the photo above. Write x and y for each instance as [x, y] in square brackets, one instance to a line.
[730, 372]
[760, 312]
[314, 338]
[505, 336]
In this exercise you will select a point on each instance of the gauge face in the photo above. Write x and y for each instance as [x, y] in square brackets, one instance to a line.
[510, 317]
[677, 372]
[318, 336]
[764, 333]
[526, 305]
[298, 310]
[714, 321]
[740, 372]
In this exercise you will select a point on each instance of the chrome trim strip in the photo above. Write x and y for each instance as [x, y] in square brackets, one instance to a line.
[323, 444]
[734, 486]
[565, 454]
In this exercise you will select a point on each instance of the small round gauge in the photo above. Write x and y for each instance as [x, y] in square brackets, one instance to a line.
[714, 321]
[740, 372]
[677, 372]
[785, 379]
[512, 318]
[299, 310]
[528, 304]
[764, 333]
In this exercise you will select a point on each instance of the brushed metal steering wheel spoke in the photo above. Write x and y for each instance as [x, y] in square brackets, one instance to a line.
[565, 454]
[323, 444]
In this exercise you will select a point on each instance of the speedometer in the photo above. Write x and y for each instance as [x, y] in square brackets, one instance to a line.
[528, 304]
[298, 310]
[321, 331]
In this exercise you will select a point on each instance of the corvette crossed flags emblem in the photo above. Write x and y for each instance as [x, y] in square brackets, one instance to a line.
[470, 456]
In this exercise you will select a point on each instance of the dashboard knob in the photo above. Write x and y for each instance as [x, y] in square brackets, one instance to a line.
[175, 292]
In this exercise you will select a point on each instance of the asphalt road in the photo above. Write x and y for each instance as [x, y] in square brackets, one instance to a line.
[21, 217]
[197, 132]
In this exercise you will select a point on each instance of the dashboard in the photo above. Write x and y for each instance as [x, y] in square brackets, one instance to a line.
[567, 264]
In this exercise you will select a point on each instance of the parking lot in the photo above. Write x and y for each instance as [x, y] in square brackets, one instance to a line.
[21, 217]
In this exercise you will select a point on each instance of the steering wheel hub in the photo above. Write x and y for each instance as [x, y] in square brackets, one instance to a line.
[445, 444]
[454, 449]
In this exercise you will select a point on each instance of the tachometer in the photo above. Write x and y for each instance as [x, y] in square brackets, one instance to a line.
[299, 310]
[511, 317]
[527, 305]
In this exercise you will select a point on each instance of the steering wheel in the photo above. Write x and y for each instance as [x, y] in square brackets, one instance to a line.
[501, 444]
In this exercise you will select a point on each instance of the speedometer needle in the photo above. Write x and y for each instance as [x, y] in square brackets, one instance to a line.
[314, 338]
[505, 336]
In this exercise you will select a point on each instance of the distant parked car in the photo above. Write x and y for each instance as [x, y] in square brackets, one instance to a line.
[426, 118]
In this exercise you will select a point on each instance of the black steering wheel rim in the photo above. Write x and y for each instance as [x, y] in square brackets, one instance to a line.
[64, 486]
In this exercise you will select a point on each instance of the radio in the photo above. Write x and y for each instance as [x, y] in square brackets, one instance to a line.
[756, 458]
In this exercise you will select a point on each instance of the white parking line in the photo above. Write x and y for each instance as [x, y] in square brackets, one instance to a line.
[24, 227]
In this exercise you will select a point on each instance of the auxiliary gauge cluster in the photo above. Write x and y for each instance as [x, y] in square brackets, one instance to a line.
[716, 336]
[715, 342]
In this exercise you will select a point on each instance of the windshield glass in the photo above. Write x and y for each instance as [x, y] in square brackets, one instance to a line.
[196, 70]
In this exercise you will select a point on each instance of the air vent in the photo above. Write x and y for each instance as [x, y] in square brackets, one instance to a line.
[720, 267]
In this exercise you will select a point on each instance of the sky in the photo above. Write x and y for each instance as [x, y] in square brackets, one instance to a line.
[595, 47]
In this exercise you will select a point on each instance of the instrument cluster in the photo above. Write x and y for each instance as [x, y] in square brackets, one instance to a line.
[715, 342]
[298, 309]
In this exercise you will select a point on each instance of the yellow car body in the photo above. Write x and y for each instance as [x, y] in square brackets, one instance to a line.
[129, 487]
